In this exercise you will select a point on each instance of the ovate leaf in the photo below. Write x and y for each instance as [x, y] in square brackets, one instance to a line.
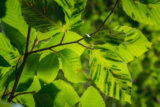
[110, 73]
[42, 15]
[71, 66]
[147, 13]
[66, 95]
[135, 44]
[48, 68]
[92, 98]
[16, 23]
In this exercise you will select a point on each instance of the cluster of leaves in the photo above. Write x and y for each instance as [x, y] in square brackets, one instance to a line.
[52, 63]
[144, 70]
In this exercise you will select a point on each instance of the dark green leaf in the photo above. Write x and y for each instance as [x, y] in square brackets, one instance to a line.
[42, 15]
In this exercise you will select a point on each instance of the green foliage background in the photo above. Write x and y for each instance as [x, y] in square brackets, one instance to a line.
[73, 75]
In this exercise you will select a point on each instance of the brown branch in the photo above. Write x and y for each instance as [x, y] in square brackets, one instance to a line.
[21, 67]
[40, 50]
[49, 48]
[77, 41]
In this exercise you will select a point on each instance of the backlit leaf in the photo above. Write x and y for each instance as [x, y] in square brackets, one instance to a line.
[92, 98]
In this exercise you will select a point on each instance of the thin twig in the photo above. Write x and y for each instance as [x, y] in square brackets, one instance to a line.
[18, 63]
[53, 51]
[63, 37]
[21, 67]
[84, 45]
[101, 26]
[34, 44]
[32, 92]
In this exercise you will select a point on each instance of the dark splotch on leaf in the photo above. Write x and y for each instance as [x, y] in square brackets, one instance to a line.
[2, 8]
[16, 38]
[3, 62]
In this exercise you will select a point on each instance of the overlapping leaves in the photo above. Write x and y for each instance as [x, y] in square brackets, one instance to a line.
[108, 63]
[52, 14]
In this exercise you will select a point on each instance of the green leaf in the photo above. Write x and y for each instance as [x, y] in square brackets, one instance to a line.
[42, 15]
[66, 95]
[7, 51]
[92, 98]
[3, 62]
[103, 37]
[5, 104]
[14, 16]
[7, 75]
[2, 8]
[71, 66]
[135, 44]
[73, 10]
[15, 37]
[54, 40]
[35, 86]
[5, 44]
[69, 37]
[48, 68]
[110, 73]
[27, 100]
[145, 13]
[56, 94]
[29, 72]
